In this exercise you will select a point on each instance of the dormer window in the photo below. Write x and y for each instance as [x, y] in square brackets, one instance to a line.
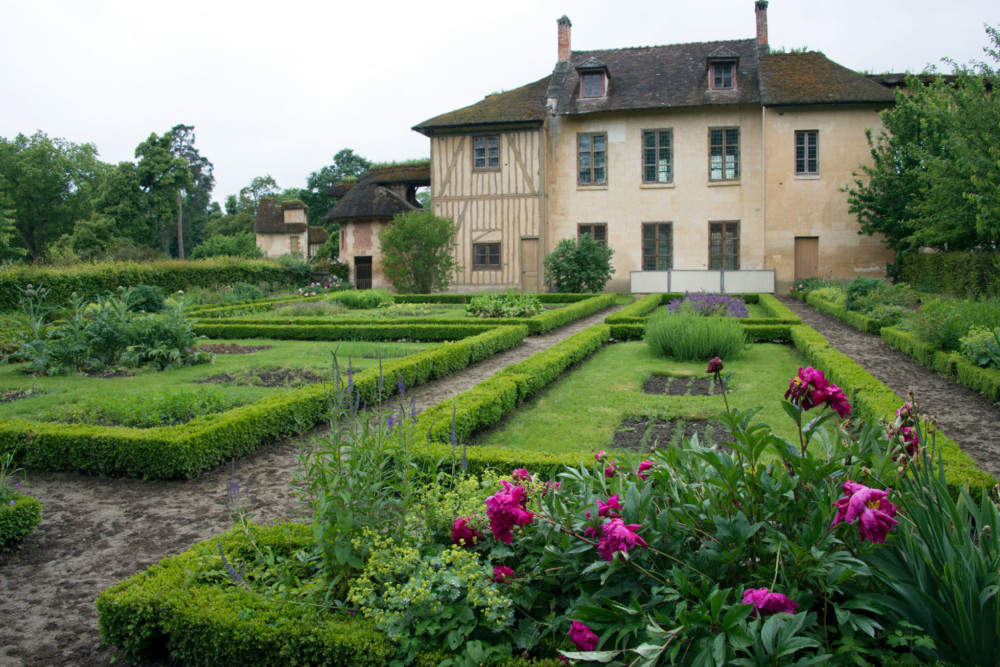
[723, 76]
[592, 84]
[593, 78]
[722, 69]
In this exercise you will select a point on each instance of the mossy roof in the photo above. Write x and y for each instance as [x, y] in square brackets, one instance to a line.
[271, 217]
[318, 235]
[524, 105]
[811, 78]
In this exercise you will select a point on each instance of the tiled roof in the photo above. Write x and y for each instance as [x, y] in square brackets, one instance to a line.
[521, 105]
[812, 78]
[654, 77]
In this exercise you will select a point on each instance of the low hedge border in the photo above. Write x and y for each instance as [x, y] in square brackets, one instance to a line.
[984, 380]
[164, 612]
[547, 297]
[873, 400]
[186, 450]
[539, 324]
[211, 310]
[168, 613]
[19, 516]
[857, 320]
[171, 275]
[636, 313]
[301, 329]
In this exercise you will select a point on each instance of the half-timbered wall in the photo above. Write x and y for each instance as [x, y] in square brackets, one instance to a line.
[502, 205]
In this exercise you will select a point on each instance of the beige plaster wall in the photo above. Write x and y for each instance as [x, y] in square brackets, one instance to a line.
[360, 238]
[278, 245]
[815, 205]
[690, 202]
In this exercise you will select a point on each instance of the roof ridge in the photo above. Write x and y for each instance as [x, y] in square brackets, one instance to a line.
[660, 46]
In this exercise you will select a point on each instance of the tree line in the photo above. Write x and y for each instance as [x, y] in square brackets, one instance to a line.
[934, 181]
[60, 203]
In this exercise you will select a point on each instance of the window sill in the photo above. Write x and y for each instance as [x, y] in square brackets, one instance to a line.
[656, 186]
[487, 268]
[807, 177]
[486, 170]
[599, 186]
[721, 184]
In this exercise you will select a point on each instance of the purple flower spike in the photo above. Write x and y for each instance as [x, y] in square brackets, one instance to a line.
[400, 387]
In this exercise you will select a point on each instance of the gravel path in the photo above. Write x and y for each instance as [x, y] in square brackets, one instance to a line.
[97, 531]
[968, 418]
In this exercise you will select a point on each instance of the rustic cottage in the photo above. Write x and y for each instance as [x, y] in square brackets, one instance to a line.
[714, 165]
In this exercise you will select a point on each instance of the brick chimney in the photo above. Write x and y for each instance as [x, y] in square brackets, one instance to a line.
[760, 9]
[564, 26]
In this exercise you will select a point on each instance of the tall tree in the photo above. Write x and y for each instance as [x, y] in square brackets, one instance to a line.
[122, 199]
[48, 186]
[162, 176]
[193, 211]
[259, 188]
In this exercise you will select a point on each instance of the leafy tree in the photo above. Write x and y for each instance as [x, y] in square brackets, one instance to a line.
[47, 185]
[8, 233]
[195, 198]
[579, 265]
[241, 245]
[346, 164]
[122, 199]
[259, 188]
[934, 180]
[162, 176]
[417, 249]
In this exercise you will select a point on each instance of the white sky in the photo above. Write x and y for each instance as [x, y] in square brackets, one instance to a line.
[279, 87]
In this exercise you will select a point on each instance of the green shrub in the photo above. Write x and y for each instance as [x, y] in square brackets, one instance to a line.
[833, 294]
[859, 288]
[509, 304]
[147, 409]
[579, 265]
[691, 337]
[363, 299]
[296, 266]
[238, 245]
[19, 513]
[943, 321]
[146, 299]
[964, 274]
[982, 346]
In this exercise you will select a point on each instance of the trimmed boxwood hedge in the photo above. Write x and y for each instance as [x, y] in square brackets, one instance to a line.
[872, 400]
[855, 319]
[171, 275]
[188, 449]
[629, 322]
[548, 297]
[19, 519]
[310, 329]
[164, 612]
[984, 380]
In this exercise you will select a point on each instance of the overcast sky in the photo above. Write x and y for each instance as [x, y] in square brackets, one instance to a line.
[278, 87]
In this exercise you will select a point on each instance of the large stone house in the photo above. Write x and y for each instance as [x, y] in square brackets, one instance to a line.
[690, 160]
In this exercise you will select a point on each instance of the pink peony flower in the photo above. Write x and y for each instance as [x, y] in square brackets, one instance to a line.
[714, 366]
[766, 602]
[582, 637]
[810, 388]
[501, 573]
[463, 533]
[911, 441]
[643, 467]
[505, 510]
[599, 455]
[604, 509]
[521, 475]
[869, 507]
[618, 536]
[550, 486]
[611, 470]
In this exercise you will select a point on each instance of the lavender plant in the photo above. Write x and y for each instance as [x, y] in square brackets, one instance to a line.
[709, 304]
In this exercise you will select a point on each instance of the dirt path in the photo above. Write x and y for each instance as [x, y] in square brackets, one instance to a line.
[98, 531]
[966, 417]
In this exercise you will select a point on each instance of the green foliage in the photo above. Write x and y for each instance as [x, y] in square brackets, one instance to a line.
[363, 299]
[145, 299]
[296, 267]
[91, 280]
[418, 252]
[147, 409]
[692, 337]
[962, 274]
[509, 304]
[942, 573]
[982, 346]
[162, 175]
[241, 245]
[833, 294]
[858, 289]
[19, 513]
[934, 179]
[579, 265]
[200, 621]
[943, 322]
[46, 185]
[238, 292]
[346, 164]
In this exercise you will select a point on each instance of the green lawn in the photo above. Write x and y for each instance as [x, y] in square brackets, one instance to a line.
[581, 411]
[50, 393]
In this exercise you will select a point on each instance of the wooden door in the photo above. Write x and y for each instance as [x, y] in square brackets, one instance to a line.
[806, 257]
[362, 273]
[529, 265]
